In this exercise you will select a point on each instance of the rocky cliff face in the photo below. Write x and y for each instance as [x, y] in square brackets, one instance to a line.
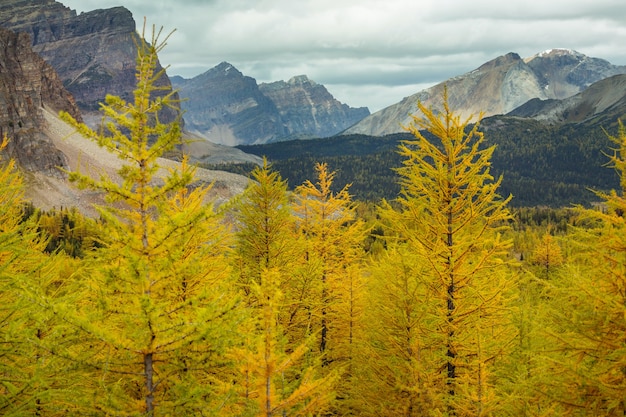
[229, 108]
[93, 53]
[308, 109]
[498, 87]
[27, 85]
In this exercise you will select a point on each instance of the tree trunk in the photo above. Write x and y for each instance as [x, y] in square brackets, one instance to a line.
[149, 374]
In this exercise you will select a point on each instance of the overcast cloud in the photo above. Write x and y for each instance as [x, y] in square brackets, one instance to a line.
[372, 52]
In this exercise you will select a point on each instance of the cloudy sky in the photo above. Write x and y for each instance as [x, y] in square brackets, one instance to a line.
[372, 52]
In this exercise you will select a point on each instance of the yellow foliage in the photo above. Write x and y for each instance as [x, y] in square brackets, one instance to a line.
[451, 220]
[156, 300]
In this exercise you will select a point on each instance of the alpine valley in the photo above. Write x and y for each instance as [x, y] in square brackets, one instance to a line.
[190, 277]
[548, 114]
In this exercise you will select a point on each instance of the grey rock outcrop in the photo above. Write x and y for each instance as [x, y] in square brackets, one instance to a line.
[94, 53]
[498, 87]
[27, 85]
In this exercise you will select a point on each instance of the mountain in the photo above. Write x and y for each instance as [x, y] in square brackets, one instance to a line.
[230, 108]
[31, 96]
[550, 152]
[308, 109]
[47, 192]
[565, 72]
[94, 53]
[498, 87]
[227, 107]
[605, 99]
[28, 85]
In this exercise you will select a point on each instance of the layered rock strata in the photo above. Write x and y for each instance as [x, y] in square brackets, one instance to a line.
[27, 85]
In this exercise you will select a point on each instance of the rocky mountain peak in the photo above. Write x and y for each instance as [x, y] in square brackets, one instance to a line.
[301, 80]
[558, 52]
[563, 72]
[308, 109]
[224, 69]
[227, 107]
[560, 58]
[47, 20]
[501, 61]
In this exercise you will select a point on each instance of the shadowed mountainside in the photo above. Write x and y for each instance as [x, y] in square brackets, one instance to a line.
[227, 107]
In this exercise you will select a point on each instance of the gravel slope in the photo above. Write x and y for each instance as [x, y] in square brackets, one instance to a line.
[48, 192]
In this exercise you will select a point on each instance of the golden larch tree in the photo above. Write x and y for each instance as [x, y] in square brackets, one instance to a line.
[547, 255]
[329, 281]
[33, 381]
[276, 378]
[588, 315]
[265, 229]
[395, 375]
[156, 300]
[451, 217]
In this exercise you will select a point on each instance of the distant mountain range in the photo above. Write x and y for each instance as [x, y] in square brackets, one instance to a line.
[94, 55]
[549, 152]
[498, 87]
[227, 107]
[546, 113]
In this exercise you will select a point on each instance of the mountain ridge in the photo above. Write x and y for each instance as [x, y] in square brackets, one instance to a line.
[550, 152]
[308, 109]
[227, 107]
[595, 100]
[223, 106]
[497, 87]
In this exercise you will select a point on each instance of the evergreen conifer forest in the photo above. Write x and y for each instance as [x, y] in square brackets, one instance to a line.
[442, 301]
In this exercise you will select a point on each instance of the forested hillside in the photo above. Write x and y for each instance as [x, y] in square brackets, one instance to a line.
[442, 302]
[542, 165]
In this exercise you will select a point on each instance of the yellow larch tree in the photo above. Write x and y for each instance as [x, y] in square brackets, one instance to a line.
[451, 218]
[33, 381]
[528, 375]
[156, 311]
[395, 373]
[588, 326]
[547, 255]
[277, 379]
[265, 229]
[275, 376]
[329, 282]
